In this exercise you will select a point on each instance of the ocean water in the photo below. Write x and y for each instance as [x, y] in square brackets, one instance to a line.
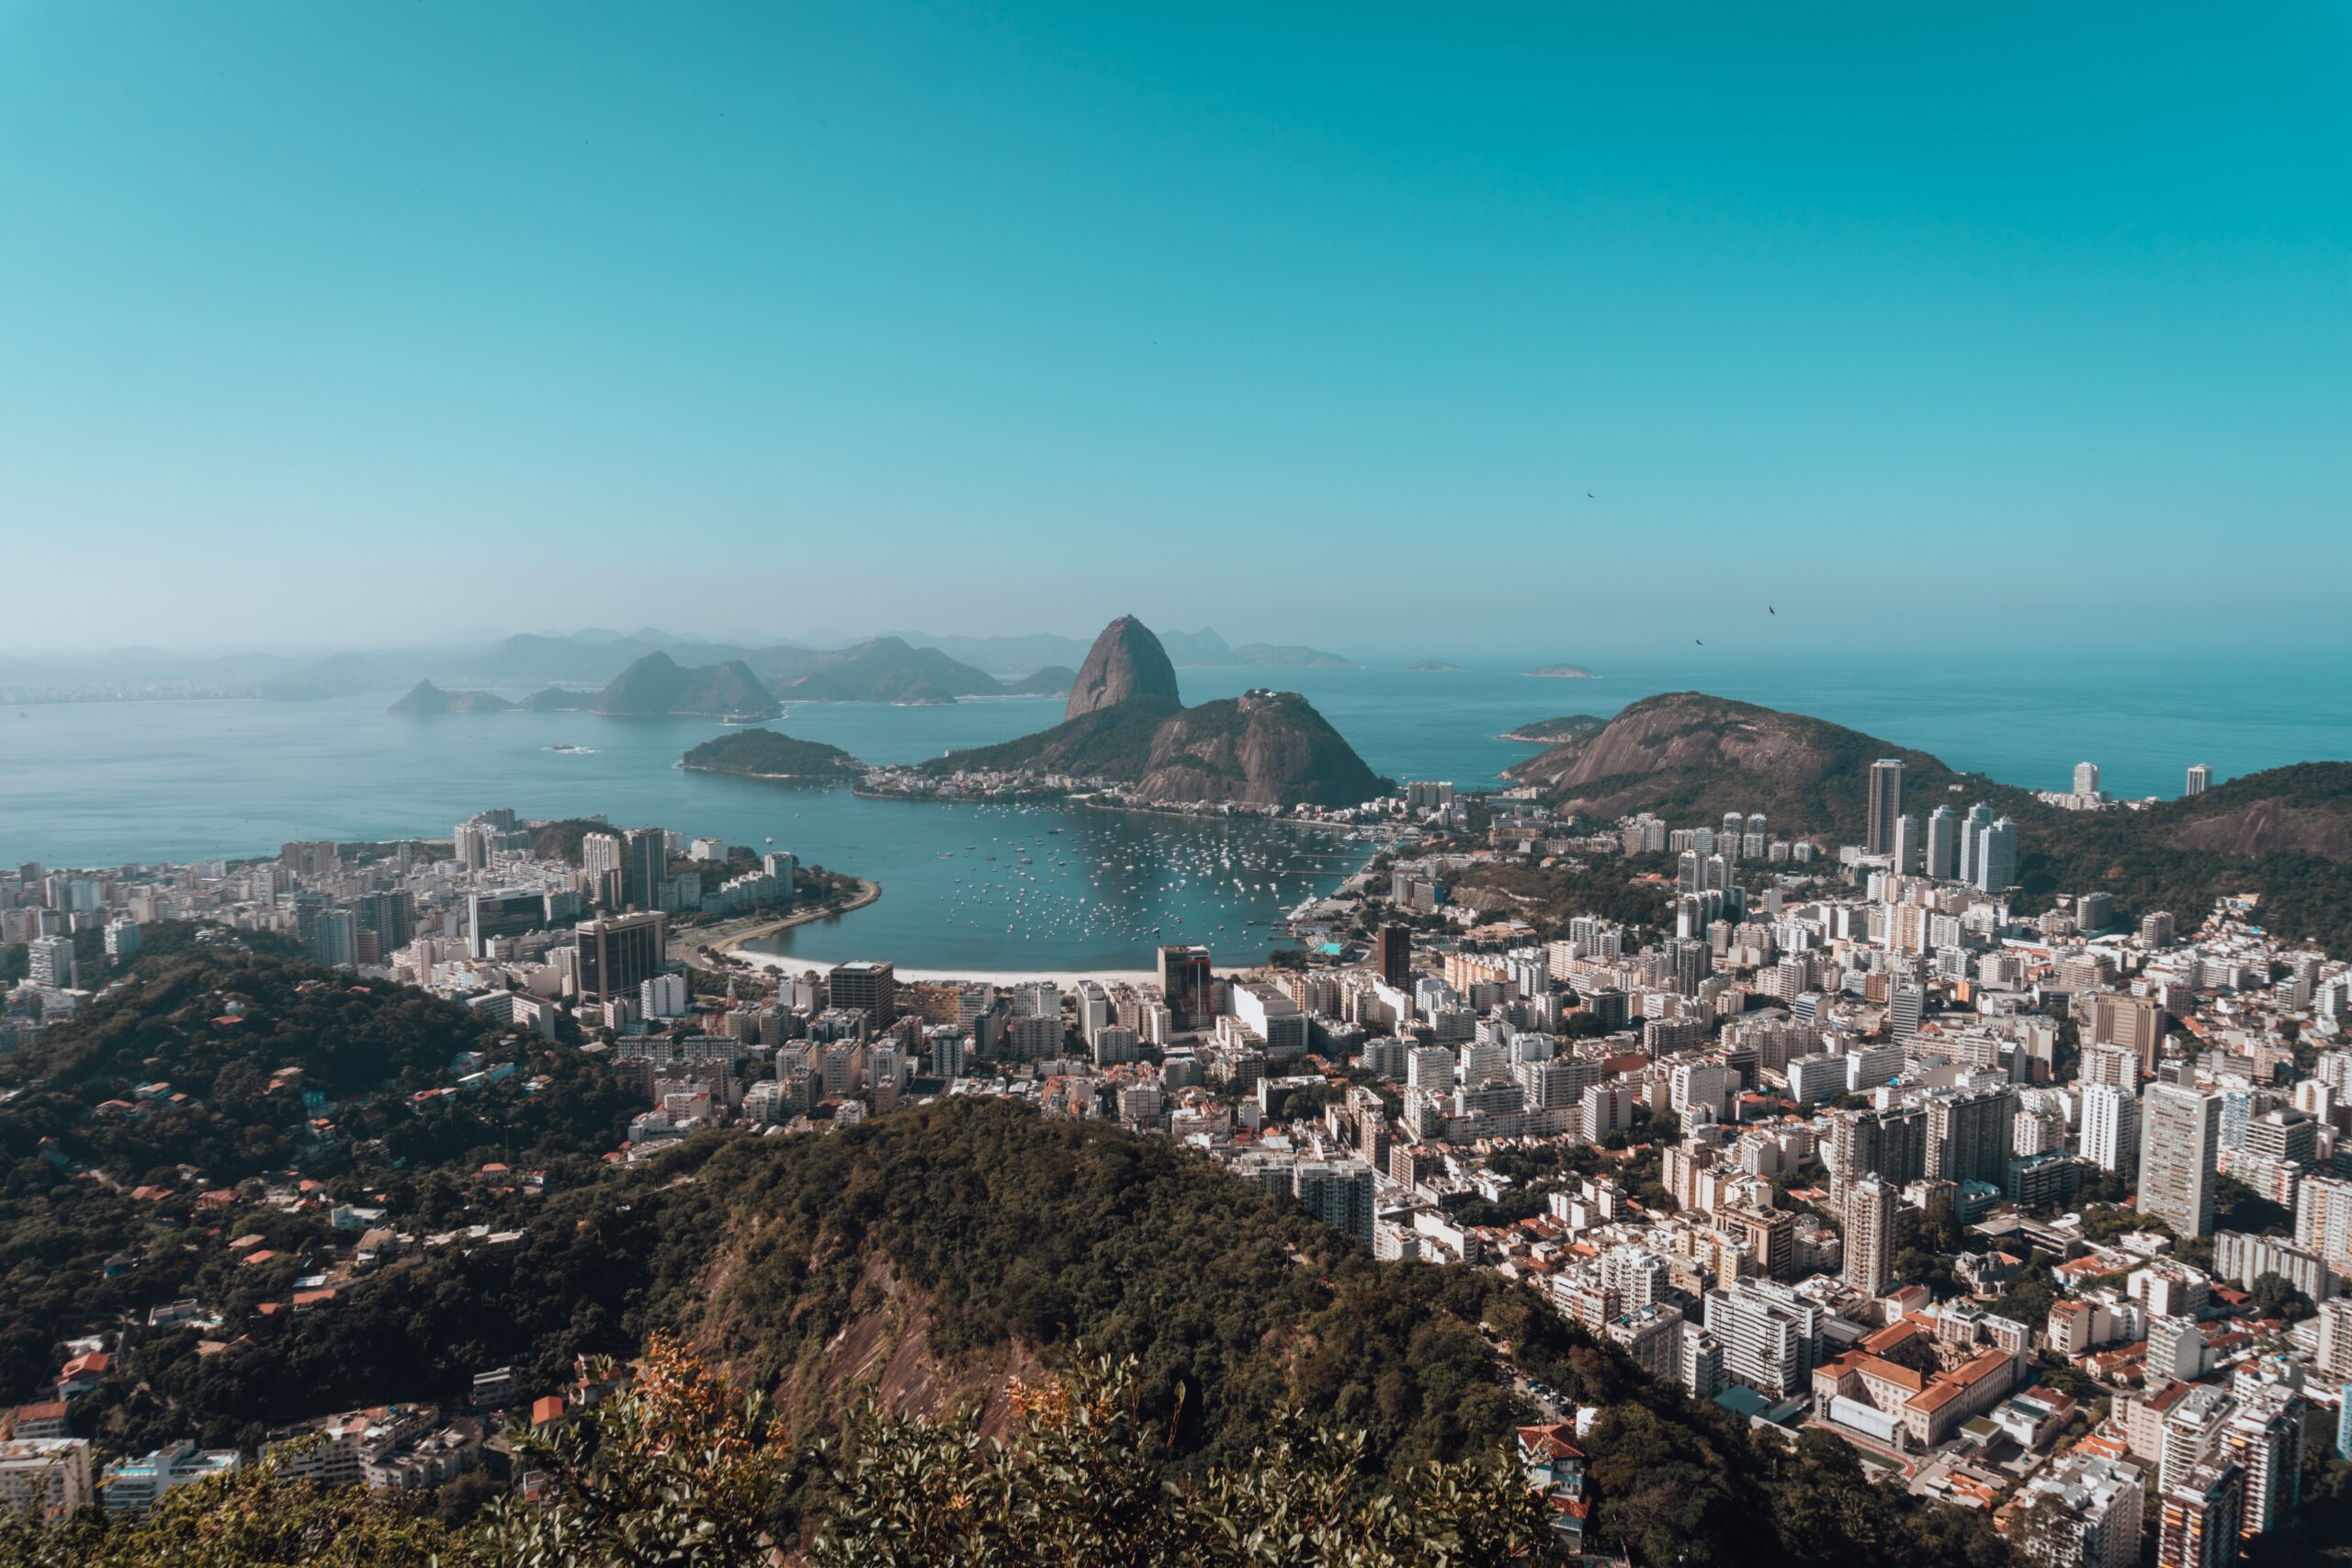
[112, 783]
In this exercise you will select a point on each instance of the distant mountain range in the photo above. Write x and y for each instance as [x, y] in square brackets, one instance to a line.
[897, 668]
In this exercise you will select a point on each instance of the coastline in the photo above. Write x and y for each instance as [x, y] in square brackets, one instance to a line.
[867, 892]
[782, 964]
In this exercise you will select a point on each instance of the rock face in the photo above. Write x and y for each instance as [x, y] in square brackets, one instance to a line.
[1689, 756]
[1259, 748]
[1126, 663]
[657, 685]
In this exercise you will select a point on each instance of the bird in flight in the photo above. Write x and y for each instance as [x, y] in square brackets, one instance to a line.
[1587, 495]
[1769, 610]
[1697, 640]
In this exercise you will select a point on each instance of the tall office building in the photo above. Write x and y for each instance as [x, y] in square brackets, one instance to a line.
[1996, 856]
[1886, 805]
[645, 865]
[1872, 1217]
[490, 916]
[2132, 1023]
[2087, 778]
[1943, 843]
[470, 845]
[2112, 1128]
[1910, 853]
[619, 953]
[2200, 778]
[871, 987]
[1392, 955]
[1187, 985]
[2180, 1135]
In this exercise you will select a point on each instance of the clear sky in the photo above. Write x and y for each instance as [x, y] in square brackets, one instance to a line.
[347, 322]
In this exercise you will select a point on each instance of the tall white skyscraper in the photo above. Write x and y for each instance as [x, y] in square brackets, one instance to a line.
[1943, 843]
[1910, 855]
[2111, 1127]
[2087, 778]
[1996, 856]
[2200, 778]
[2180, 1135]
[1979, 817]
[1886, 805]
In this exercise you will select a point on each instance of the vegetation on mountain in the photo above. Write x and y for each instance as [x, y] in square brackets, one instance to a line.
[2284, 834]
[559, 699]
[885, 670]
[427, 697]
[559, 839]
[767, 753]
[657, 686]
[1551, 731]
[1053, 680]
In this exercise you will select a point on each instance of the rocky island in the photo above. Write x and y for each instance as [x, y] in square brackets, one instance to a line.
[657, 686]
[1562, 673]
[771, 754]
[1432, 667]
[427, 697]
[1126, 727]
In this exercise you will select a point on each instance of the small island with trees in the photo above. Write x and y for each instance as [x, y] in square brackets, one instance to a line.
[1562, 673]
[1432, 667]
[771, 754]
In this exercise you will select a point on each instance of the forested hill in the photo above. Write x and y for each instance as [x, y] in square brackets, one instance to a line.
[928, 1255]
[2285, 834]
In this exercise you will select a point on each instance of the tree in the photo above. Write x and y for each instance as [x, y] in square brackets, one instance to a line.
[2275, 1295]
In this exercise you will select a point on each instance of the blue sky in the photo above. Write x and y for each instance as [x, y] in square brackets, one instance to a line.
[348, 322]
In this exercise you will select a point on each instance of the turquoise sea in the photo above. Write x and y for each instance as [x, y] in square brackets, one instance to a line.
[112, 783]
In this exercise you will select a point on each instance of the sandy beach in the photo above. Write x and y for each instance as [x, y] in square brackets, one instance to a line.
[1063, 977]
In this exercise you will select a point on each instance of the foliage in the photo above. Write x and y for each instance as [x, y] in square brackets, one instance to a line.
[771, 754]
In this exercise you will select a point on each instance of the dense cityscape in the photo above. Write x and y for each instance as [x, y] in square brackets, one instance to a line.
[2042, 1214]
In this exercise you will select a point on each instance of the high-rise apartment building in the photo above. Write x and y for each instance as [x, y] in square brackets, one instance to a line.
[645, 865]
[1996, 856]
[2324, 1217]
[2087, 778]
[1979, 817]
[604, 858]
[2200, 778]
[1885, 805]
[1392, 955]
[1943, 843]
[1910, 853]
[1871, 1216]
[2180, 1137]
[2112, 1128]
[2264, 1436]
[1970, 1134]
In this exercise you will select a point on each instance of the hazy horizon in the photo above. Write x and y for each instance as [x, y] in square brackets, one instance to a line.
[357, 326]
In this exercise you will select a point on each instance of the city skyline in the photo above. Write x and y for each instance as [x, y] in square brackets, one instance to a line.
[1659, 294]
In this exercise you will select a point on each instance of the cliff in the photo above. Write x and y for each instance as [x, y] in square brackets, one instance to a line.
[1126, 663]
[1260, 749]
[657, 686]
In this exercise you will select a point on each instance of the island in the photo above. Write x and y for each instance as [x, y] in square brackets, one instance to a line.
[771, 754]
[1127, 739]
[1432, 667]
[1552, 732]
[1053, 680]
[1562, 673]
[658, 686]
[427, 697]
